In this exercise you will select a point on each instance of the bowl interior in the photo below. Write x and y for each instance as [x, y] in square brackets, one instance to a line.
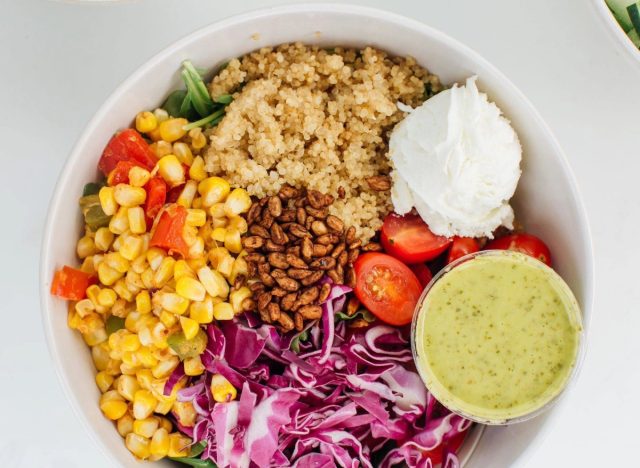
[546, 202]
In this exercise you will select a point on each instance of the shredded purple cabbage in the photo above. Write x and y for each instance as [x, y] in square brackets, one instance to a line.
[348, 398]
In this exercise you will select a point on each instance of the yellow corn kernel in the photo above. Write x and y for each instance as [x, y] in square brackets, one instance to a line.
[236, 297]
[196, 217]
[84, 307]
[100, 355]
[121, 308]
[164, 272]
[116, 261]
[138, 176]
[219, 234]
[146, 122]
[85, 247]
[73, 319]
[197, 171]
[128, 195]
[221, 389]
[168, 319]
[198, 140]
[104, 381]
[161, 148]
[143, 404]
[223, 311]
[137, 221]
[202, 312]
[171, 170]
[113, 367]
[131, 246]
[188, 194]
[139, 264]
[159, 446]
[225, 265]
[164, 406]
[138, 445]
[216, 254]
[87, 265]
[183, 153]
[144, 378]
[237, 202]
[219, 223]
[165, 423]
[213, 282]
[130, 342]
[135, 321]
[185, 413]
[178, 445]
[196, 250]
[147, 278]
[125, 425]
[155, 257]
[143, 302]
[197, 203]
[181, 269]
[120, 287]
[95, 336]
[232, 240]
[189, 326]
[196, 263]
[119, 223]
[146, 358]
[216, 211]
[171, 302]
[127, 386]
[108, 200]
[239, 268]
[107, 297]
[193, 366]
[108, 275]
[213, 190]
[146, 427]
[239, 223]
[172, 129]
[164, 368]
[103, 239]
[112, 405]
[190, 288]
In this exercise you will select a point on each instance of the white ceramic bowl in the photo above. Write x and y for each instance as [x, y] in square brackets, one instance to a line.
[615, 31]
[547, 199]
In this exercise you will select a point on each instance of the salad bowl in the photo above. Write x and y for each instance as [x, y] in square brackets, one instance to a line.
[547, 200]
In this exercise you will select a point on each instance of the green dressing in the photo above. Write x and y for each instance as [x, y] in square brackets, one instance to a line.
[497, 337]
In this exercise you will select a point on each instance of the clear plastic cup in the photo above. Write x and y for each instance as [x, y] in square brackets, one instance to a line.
[444, 395]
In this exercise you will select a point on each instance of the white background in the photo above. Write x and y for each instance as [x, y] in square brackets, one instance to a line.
[59, 61]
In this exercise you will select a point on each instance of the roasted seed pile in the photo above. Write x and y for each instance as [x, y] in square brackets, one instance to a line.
[293, 243]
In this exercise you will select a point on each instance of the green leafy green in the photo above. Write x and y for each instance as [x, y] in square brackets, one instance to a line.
[224, 99]
[362, 313]
[113, 324]
[198, 93]
[209, 120]
[173, 104]
[295, 343]
[193, 458]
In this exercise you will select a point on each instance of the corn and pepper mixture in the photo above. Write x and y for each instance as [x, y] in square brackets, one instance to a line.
[146, 296]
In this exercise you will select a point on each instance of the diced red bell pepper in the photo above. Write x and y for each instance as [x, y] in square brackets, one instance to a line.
[120, 174]
[71, 284]
[156, 198]
[168, 232]
[128, 145]
[174, 193]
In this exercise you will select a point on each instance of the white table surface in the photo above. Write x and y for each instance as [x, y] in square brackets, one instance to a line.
[59, 61]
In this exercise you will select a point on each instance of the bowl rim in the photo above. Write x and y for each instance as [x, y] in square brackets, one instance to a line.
[118, 93]
[615, 30]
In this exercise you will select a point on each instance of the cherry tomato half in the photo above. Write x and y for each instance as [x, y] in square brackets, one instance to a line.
[422, 272]
[462, 246]
[409, 239]
[524, 243]
[387, 287]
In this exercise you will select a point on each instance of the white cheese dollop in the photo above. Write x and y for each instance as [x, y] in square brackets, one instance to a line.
[457, 161]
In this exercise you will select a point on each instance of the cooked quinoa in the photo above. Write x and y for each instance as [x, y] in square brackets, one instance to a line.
[318, 118]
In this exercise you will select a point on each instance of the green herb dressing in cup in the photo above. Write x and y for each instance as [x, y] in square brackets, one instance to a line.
[496, 336]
